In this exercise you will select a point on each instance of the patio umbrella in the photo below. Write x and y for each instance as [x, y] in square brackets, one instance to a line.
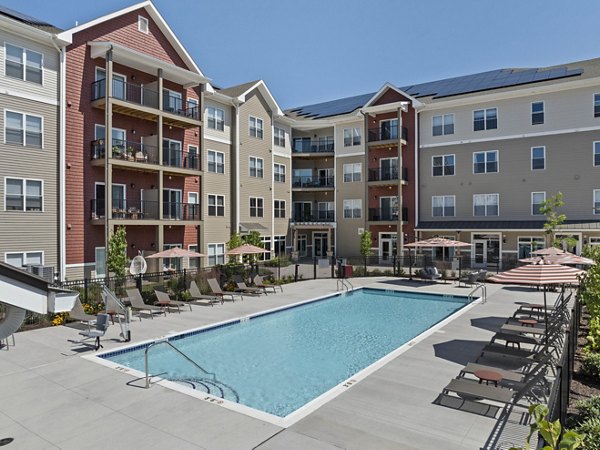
[548, 251]
[176, 252]
[436, 242]
[539, 274]
[246, 249]
[563, 258]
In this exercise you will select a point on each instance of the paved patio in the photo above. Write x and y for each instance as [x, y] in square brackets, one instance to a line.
[50, 397]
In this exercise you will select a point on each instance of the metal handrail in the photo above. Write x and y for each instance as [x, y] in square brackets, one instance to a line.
[343, 281]
[166, 341]
[483, 292]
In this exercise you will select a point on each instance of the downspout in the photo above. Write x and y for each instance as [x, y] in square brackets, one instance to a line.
[417, 167]
[236, 158]
[272, 237]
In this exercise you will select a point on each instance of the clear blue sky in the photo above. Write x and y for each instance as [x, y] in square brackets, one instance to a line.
[310, 51]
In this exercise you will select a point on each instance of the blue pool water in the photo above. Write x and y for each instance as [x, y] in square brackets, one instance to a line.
[280, 361]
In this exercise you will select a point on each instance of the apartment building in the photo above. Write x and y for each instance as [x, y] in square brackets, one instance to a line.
[134, 143]
[494, 145]
[30, 67]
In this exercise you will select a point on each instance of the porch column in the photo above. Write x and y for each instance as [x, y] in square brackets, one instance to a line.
[294, 244]
[108, 89]
[159, 135]
[329, 252]
[400, 232]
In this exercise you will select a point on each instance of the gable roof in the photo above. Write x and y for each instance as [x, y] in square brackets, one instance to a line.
[240, 91]
[331, 108]
[28, 20]
[386, 87]
[237, 90]
[156, 16]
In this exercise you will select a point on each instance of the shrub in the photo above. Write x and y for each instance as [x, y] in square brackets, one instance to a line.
[401, 272]
[375, 273]
[591, 365]
[590, 428]
[359, 271]
[589, 407]
[388, 273]
[593, 338]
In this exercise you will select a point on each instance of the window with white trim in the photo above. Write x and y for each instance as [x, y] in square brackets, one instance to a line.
[215, 119]
[325, 211]
[527, 244]
[596, 201]
[256, 167]
[485, 119]
[142, 24]
[594, 241]
[485, 162]
[279, 173]
[20, 259]
[486, 205]
[266, 244]
[279, 209]
[23, 129]
[351, 137]
[100, 261]
[216, 205]
[353, 208]
[23, 63]
[279, 245]
[216, 254]
[597, 153]
[216, 161]
[538, 158]
[537, 199]
[596, 105]
[352, 172]
[279, 137]
[442, 165]
[193, 263]
[442, 125]
[255, 127]
[23, 194]
[443, 205]
[256, 207]
[537, 113]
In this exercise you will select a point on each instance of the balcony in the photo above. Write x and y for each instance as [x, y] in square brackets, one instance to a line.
[388, 133]
[138, 101]
[136, 210]
[323, 216]
[180, 159]
[386, 175]
[303, 147]
[129, 151]
[310, 182]
[387, 214]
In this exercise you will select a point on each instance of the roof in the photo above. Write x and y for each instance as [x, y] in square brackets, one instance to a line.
[237, 90]
[331, 108]
[30, 279]
[28, 20]
[240, 91]
[502, 225]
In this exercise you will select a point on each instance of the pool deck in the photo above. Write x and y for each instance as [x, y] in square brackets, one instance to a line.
[50, 397]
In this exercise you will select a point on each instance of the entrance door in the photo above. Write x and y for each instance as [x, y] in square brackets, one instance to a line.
[480, 253]
[172, 205]
[119, 203]
[302, 211]
[388, 168]
[389, 208]
[325, 177]
[301, 249]
[320, 244]
[387, 247]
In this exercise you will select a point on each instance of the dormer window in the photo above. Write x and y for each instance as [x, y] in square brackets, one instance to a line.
[143, 24]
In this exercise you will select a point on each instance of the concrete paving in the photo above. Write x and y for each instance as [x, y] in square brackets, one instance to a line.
[50, 397]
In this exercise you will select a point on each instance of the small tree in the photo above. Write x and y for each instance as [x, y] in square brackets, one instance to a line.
[253, 239]
[116, 258]
[234, 242]
[549, 208]
[366, 242]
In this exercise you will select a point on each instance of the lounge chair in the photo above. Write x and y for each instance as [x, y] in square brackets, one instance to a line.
[216, 289]
[100, 330]
[164, 297]
[245, 289]
[259, 282]
[78, 313]
[201, 299]
[431, 273]
[137, 303]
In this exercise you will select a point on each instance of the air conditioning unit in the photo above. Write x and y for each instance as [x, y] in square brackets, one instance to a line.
[361, 231]
[45, 272]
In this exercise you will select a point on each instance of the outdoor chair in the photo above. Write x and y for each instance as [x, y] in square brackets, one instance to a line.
[471, 278]
[163, 297]
[102, 325]
[245, 289]
[138, 304]
[259, 282]
[201, 299]
[216, 289]
[431, 273]
[78, 313]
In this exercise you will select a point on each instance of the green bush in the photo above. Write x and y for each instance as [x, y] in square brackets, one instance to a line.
[279, 261]
[590, 428]
[593, 338]
[375, 273]
[588, 408]
[591, 365]
[359, 271]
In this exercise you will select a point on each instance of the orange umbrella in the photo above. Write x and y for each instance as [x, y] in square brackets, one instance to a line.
[176, 252]
[247, 249]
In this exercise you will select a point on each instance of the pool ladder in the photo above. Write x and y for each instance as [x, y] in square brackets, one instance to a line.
[475, 289]
[344, 283]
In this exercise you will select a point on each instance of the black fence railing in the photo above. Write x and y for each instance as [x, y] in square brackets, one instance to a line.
[176, 157]
[325, 216]
[379, 214]
[174, 104]
[129, 92]
[309, 181]
[181, 211]
[324, 145]
[125, 150]
[387, 174]
[125, 209]
[387, 133]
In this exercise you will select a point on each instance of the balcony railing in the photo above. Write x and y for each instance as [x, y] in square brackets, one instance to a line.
[387, 133]
[313, 146]
[125, 150]
[379, 214]
[145, 210]
[324, 216]
[129, 92]
[174, 104]
[175, 157]
[387, 174]
[312, 182]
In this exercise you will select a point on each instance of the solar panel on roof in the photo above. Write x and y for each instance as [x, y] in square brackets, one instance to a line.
[332, 108]
[23, 17]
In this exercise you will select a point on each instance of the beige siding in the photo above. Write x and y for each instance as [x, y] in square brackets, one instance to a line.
[224, 135]
[347, 237]
[287, 149]
[282, 191]
[30, 231]
[340, 149]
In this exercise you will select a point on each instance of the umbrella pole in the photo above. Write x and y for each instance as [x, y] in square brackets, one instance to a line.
[410, 264]
[545, 317]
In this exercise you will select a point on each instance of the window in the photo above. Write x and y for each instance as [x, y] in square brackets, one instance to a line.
[388, 129]
[353, 209]
[279, 207]
[216, 118]
[527, 244]
[216, 254]
[216, 205]
[442, 125]
[192, 108]
[216, 162]
[256, 207]
[537, 113]
[23, 64]
[485, 162]
[256, 167]
[143, 24]
[266, 244]
[279, 137]
[279, 172]
[443, 206]
[538, 158]
[597, 153]
[443, 165]
[23, 195]
[255, 127]
[594, 241]
[485, 119]
[20, 259]
[279, 245]
[596, 105]
[352, 172]
[596, 201]
[325, 211]
[23, 129]
[100, 260]
[485, 205]
[194, 263]
[351, 137]
[537, 198]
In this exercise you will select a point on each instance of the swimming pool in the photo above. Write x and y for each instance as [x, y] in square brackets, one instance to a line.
[279, 361]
